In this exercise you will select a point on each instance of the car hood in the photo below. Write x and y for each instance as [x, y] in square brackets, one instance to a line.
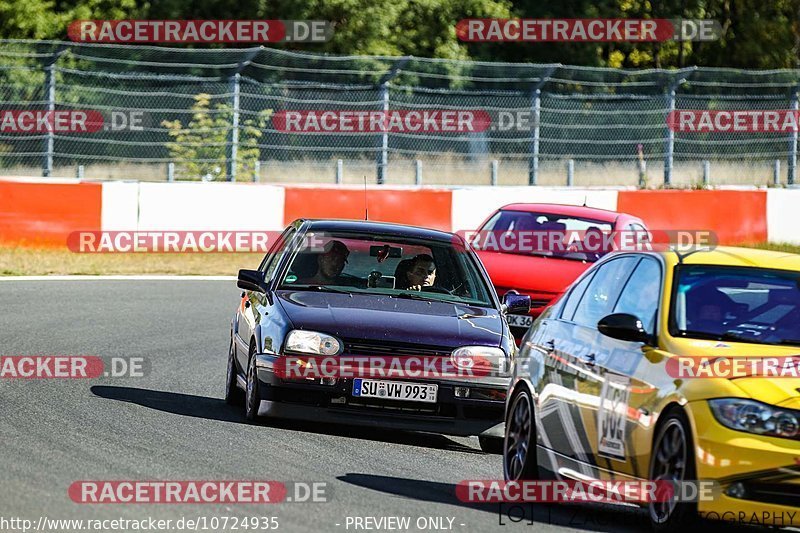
[381, 318]
[530, 273]
[776, 391]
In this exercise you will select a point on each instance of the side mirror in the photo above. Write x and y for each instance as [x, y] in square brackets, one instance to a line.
[516, 303]
[624, 327]
[251, 280]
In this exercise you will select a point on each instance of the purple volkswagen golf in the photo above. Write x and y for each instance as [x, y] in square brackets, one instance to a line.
[342, 289]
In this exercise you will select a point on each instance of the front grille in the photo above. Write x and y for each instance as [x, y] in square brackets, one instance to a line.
[361, 347]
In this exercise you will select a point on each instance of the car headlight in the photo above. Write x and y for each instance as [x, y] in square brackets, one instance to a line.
[481, 360]
[756, 417]
[313, 342]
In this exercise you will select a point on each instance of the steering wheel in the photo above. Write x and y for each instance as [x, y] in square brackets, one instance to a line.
[432, 288]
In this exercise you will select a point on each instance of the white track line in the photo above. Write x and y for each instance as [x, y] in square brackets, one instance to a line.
[118, 278]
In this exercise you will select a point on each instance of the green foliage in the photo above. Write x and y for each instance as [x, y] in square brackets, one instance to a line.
[199, 149]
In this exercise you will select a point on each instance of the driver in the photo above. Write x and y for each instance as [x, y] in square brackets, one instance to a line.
[421, 273]
[330, 265]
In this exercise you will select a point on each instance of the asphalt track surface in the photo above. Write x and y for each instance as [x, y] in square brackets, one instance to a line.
[173, 424]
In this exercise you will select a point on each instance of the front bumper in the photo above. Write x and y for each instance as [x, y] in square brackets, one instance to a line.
[759, 477]
[318, 401]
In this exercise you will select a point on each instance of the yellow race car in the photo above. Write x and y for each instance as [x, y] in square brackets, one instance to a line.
[652, 367]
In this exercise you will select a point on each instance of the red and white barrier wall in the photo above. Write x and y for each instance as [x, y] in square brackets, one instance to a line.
[43, 212]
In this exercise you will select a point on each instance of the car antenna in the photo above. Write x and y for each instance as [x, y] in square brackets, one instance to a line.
[366, 205]
[585, 201]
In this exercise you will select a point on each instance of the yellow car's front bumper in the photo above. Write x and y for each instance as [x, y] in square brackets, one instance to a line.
[759, 477]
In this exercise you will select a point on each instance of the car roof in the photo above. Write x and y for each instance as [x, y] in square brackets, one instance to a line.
[736, 256]
[384, 228]
[595, 213]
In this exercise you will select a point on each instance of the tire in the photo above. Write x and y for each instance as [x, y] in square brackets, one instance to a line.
[233, 394]
[519, 445]
[672, 459]
[493, 445]
[252, 394]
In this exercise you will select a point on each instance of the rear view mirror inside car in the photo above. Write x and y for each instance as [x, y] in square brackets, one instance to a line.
[382, 252]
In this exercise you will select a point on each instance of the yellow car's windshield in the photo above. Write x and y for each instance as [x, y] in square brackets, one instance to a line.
[739, 304]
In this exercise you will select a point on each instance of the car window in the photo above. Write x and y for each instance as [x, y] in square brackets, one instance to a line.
[574, 297]
[755, 305]
[601, 294]
[640, 296]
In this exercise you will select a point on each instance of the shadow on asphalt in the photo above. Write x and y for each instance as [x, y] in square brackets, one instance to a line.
[216, 409]
[588, 517]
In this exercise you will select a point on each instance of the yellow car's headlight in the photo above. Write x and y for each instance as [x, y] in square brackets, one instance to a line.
[312, 342]
[755, 417]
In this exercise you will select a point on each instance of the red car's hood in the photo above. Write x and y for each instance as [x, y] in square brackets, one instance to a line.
[541, 277]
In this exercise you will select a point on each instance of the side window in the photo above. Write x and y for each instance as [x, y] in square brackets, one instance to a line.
[574, 297]
[641, 294]
[270, 262]
[602, 293]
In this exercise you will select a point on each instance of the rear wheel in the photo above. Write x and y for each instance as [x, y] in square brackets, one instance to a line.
[252, 394]
[233, 394]
[672, 461]
[493, 445]
[519, 446]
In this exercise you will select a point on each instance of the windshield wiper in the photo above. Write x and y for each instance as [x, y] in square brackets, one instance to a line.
[733, 336]
[415, 296]
[789, 342]
[325, 288]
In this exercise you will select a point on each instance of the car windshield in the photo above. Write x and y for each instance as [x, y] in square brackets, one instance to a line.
[545, 234]
[751, 305]
[389, 265]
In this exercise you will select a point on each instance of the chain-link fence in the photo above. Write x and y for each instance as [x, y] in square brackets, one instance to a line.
[208, 114]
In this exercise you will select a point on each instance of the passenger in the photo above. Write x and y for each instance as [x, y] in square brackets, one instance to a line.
[413, 274]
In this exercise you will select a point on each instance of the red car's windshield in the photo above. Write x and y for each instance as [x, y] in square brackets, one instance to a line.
[547, 234]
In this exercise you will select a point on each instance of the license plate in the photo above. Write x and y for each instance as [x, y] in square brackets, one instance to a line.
[395, 390]
[520, 321]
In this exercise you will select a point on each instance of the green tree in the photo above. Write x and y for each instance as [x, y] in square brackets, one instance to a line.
[200, 149]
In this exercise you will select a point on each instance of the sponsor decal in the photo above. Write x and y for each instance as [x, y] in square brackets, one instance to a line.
[612, 416]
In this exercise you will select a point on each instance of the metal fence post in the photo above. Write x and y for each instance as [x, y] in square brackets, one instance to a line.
[493, 179]
[418, 172]
[383, 157]
[670, 148]
[706, 172]
[339, 171]
[170, 171]
[232, 154]
[256, 171]
[50, 91]
[570, 172]
[80, 172]
[776, 172]
[792, 168]
[533, 168]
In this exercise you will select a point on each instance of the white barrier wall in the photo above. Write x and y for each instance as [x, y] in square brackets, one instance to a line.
[210, 206]
[783, 215]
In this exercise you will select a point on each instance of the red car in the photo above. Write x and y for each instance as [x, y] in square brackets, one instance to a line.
[544, 271]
